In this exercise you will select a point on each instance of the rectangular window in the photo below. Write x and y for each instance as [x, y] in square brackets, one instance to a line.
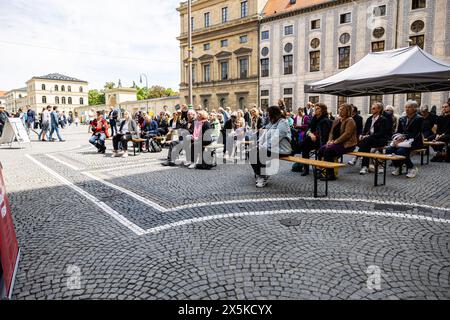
[224, 43]
[288, 64]
[264, 67]
[192, 24]
[379, 11]
[224, 70]
[340, 101]
[224, 15]
[243, 68]
[315, 24]
[193, 74]
[288, 103]
[207, 73]
[264, 93]
[378, 46]
[418, 4]
[346, 18]
[314, 61]
[288, 30]
[415, 96]
[206, 46]
[243, 39]
[288, 91]
[344, 57]
[417, 41]
[264, 103]
[313, 99]
[265, 35]
[244, 9]
[207, 19]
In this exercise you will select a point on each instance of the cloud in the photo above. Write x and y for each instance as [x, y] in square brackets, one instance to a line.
[95, 40]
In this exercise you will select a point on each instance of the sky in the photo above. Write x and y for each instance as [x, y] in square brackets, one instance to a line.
[92, 40]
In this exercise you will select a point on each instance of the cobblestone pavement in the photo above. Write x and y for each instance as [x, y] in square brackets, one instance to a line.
[132, 229]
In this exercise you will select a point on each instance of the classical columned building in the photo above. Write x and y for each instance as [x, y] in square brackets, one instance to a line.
[306, 41]
[225, 52]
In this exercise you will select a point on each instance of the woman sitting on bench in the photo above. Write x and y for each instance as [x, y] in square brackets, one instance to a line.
[342, 138]
[274, 142]
[128, 128]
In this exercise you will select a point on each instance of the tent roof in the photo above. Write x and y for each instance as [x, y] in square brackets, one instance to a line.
[404, 70]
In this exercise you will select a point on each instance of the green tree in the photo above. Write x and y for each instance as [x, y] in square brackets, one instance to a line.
[109, 85]
[96, 98]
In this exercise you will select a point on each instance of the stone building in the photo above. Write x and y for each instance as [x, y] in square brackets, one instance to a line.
[225, 52]
[16, 99]
[3, 98]
[55, 89]
[306, 41]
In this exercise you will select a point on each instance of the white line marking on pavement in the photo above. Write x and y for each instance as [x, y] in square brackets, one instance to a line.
[63, 163]
[312, 211]
[111, 212]
[131, 166]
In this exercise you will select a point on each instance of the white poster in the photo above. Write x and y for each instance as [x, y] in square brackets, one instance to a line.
[14, 130]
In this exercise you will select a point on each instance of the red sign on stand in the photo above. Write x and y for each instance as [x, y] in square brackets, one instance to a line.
[9, 247]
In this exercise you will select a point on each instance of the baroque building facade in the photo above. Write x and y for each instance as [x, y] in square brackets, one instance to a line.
[306, 41]
[225, 52]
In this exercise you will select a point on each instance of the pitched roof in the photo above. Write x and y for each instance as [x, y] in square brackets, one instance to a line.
[2, 93]
[58, 76]
[280, 6]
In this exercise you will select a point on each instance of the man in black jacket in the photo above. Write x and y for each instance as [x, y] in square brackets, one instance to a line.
[358, 120]
[409, 128]
[374, 135]
[429, 122]
[442, 134]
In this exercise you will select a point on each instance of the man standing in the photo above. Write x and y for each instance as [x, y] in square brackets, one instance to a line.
[113, 117]
[31, 118]
[45, 123]
[55, 122]
[3, 118]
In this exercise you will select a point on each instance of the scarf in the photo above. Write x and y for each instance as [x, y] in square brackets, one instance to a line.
[198, 129]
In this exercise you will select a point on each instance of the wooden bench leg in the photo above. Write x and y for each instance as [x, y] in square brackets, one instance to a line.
[421, 158]
[428, 155]
[317, 176]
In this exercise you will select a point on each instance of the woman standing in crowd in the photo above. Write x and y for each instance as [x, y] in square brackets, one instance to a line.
[342, 138]
[273, 143]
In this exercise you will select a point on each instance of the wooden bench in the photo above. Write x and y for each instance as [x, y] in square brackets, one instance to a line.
[423, 153]
[379, 160]
[320, 168]
[137, 142]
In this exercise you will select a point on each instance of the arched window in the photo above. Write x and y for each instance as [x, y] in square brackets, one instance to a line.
[81, 89]
[56, 87]
[69, 100]
[63, 88]
[63, 100]
[57, 100]
[43, 87]
[81, 101]
[44, 99]
[69, 88]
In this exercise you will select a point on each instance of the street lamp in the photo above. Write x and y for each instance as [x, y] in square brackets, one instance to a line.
[146, 86]
[191, 102]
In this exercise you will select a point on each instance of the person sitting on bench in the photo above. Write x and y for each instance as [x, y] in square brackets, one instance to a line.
[408, 137]
[318, 133]
[375, 134]
[442, 134]
[274, 142]
[128, 128]
[149, 130]
[342, 138]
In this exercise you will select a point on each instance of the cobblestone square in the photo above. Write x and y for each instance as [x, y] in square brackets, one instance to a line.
[132, 229]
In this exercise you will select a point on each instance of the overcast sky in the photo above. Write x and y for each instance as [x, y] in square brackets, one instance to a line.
[92, 40]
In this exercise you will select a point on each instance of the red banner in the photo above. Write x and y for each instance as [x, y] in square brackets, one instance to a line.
[9, 247]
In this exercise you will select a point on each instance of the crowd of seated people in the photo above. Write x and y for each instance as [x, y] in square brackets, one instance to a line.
[310, 129]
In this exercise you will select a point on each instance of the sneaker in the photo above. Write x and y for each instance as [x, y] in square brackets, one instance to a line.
[260, 182]
[371, 168]
[125, 155]
[115, 154]
[396, 172]
[364, 171]
[187, 163]
[192, 166]
[412, 173]
[380, 170]
[352, 162]
[168, 164]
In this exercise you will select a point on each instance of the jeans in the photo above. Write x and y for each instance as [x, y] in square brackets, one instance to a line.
[58, 133]
[367, 144]
[113, 124]
[406, 152]
[98, 140]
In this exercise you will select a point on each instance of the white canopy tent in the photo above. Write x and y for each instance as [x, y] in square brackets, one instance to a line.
[405, 70]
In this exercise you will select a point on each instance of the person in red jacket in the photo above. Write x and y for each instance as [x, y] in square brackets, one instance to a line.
[99, 129]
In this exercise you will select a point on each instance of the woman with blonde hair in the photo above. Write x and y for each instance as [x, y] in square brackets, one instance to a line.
[342, 138]
[200, 139]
